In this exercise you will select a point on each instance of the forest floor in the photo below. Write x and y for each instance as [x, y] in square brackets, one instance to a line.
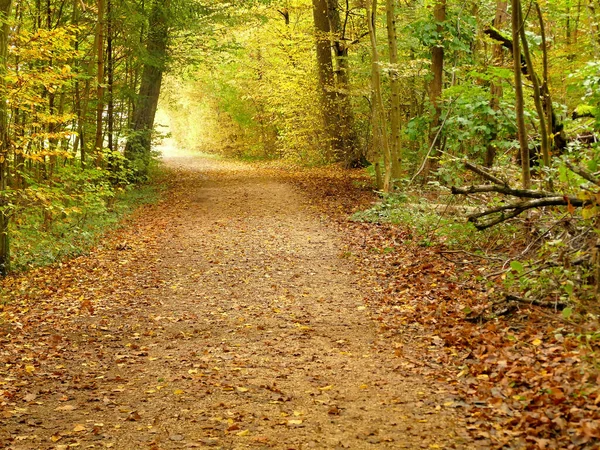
[245, 311]
[227, 316]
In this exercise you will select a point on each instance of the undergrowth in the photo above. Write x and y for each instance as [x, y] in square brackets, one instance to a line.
[43, 236]
[438, 222]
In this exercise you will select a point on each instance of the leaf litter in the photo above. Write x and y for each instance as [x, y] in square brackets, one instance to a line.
[243, 313]
[526, 379]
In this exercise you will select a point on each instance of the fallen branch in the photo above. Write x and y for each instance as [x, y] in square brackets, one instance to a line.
[514, 209]
[531, 301]
[584, 174]
[475, 255]
[503, 189]
[485, 174]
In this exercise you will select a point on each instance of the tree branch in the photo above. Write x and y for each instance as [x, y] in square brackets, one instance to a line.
[584, 174]
[514, 209]
[502, 189]
[481, 171]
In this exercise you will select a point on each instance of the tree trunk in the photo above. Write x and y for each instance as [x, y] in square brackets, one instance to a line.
[5, 8]
[519, 104]
[435, 92]
[537, 97]
[496, 88]
[380, 136]
[395, 89]
[99, 81]
[325, 74]
[348, 145]
[110, 75]
[137, 150]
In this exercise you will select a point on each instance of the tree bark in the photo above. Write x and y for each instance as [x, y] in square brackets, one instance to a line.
[519, 104]
[325, 75]
[537, 98]
[348, 145]
[435, 91]
[138, 147]
[395, 90]
[5, 9]
[110, 69]
[99, 80]
[496, 88]
[380, 136]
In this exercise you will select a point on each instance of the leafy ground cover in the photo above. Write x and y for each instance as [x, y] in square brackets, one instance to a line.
[526, 376]
[72, 217]
[225, 316]
[230, 316]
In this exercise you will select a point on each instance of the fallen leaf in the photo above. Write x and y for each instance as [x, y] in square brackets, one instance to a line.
[65, 408]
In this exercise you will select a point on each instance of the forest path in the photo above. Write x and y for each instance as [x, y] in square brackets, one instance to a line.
[224, 318]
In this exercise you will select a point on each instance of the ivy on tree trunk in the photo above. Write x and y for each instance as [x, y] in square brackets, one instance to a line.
[138, 147]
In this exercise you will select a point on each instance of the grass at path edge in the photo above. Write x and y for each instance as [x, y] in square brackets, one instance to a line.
[72, 235]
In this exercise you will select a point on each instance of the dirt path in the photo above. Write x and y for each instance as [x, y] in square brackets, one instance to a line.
[235, 325]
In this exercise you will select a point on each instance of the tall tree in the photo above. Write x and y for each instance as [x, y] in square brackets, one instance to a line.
[435, 90]
[348, 144]
[325, 73]
[101, 4]
[139, 143]
[5, 9]
[380, 135]
[496, 87]
[537, 96]
[395, 88]
[519, 102]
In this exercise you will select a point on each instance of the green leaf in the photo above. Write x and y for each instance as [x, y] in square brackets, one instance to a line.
[566, 313]
[562, 174]
[569, 286]
[516, 266]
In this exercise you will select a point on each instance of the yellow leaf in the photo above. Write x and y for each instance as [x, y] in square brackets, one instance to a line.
[178, 392]
[326, 388]
[589, 212]
[242, 389]
[65, 408]
[294, 422]
[30, 369]
[243, 433]
[537, 342]
[79, 427]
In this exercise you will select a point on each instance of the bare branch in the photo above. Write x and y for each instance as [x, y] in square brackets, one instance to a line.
[514, 209]
[583, 173]
[481, 171]
[503, 189]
